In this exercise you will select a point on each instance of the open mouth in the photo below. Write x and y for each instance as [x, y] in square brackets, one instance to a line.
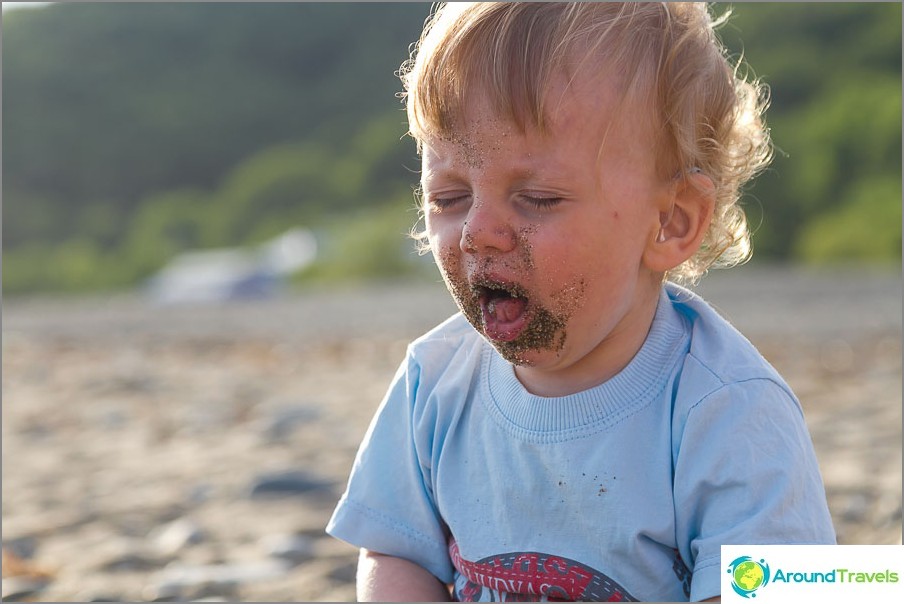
[505, 310]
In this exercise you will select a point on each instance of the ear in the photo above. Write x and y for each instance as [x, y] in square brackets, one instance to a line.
[682, 224]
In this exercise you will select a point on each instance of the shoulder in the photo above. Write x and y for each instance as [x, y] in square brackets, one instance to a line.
[454, 329]
[718, 352]
[445, 340]
[450, 352]
[722, 364]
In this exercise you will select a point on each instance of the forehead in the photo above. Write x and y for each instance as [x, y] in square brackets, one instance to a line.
[480, 146]
[589, 115]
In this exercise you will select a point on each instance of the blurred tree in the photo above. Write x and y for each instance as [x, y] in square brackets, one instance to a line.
[116, 101]
[834, 72]
[164, 225]
[867, 228]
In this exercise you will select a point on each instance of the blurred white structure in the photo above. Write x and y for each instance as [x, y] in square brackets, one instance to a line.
[219, 275]
[290, 252]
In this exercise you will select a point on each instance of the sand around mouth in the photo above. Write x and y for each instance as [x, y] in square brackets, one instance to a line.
[187, 453]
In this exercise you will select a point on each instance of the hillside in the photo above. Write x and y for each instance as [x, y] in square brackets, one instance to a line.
[132, 132]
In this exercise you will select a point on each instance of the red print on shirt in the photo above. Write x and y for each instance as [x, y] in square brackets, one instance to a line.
[530, 577]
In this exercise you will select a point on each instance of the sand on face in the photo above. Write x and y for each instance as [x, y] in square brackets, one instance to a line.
[145, 449]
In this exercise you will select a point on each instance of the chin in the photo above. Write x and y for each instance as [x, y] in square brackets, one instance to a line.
[519, 352]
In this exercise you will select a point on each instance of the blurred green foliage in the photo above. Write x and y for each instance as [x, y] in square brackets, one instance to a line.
[833, 191]
[133, 132]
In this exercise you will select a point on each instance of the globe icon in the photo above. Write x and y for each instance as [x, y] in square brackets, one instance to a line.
[748, 575]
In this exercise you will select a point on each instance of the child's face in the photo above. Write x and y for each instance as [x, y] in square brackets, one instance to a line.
[540, 238]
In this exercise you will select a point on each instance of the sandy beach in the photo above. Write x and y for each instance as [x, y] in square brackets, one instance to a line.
[196, 452]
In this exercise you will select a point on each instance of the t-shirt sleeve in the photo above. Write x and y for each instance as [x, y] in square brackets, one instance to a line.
[745, 473]
[388, 505]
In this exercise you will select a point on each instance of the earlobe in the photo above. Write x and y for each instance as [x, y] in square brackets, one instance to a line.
[683, 225]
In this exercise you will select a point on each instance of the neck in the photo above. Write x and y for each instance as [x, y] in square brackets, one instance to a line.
[604, 361]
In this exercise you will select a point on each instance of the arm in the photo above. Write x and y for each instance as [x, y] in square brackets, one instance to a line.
[768, 490]
[383, 578]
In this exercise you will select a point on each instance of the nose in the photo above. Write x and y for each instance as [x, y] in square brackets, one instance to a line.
[487, 228]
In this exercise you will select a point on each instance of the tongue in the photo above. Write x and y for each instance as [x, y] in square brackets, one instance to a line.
[504, 318]
[506, 310]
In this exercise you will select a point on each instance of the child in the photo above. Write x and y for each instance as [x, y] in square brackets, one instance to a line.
[583, 429]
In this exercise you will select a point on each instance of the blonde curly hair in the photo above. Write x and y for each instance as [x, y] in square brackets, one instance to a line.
[711, 117]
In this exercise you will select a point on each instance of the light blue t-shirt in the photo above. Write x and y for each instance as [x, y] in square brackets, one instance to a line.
[625, 491]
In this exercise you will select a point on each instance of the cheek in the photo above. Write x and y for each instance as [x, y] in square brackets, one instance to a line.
[570, 297]
[449, 262]
[442, 232]
[570, 252]
[579, 272]
[447, 258]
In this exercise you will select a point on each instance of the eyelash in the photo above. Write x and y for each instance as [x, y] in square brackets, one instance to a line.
[542, 203]
[442, 203]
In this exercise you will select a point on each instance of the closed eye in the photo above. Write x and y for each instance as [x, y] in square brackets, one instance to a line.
[438, 204]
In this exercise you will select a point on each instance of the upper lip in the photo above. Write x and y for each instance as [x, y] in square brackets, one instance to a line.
[483, 285]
